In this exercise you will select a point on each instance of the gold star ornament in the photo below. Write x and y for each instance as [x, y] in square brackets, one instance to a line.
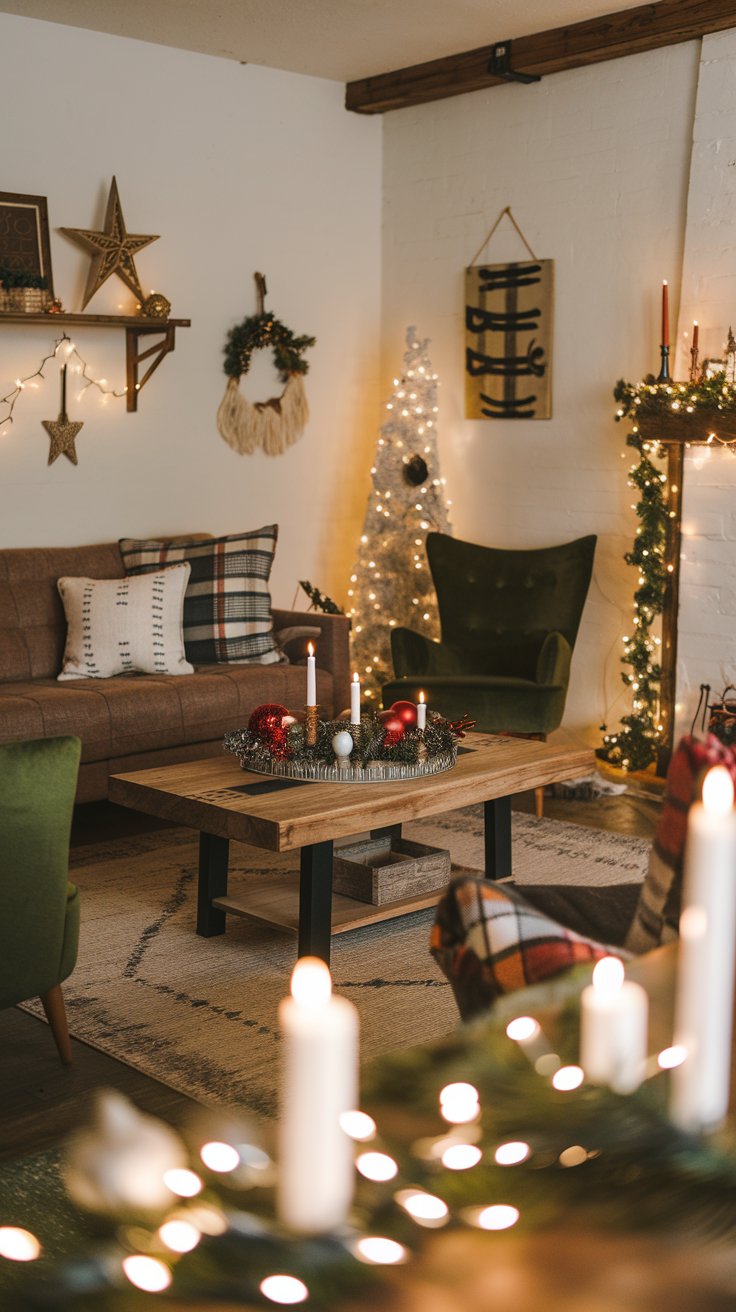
[63, 430]
[113, 249]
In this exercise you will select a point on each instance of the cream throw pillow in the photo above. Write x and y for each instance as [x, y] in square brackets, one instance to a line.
[117, 626]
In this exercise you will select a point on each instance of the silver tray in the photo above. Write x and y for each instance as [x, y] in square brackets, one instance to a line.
[376, 772]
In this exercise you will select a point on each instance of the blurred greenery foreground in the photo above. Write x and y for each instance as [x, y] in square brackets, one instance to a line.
[491, 1129]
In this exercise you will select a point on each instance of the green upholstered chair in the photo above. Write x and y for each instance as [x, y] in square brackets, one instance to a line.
[509, 622]
[39, 928]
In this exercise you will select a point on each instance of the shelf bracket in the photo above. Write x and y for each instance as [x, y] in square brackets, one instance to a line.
[134, 357]
[500, 65]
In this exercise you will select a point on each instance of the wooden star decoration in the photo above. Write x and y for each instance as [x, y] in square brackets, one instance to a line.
[113, 249]
[62, 432]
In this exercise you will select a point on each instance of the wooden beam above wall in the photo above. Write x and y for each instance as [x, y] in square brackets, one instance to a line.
[613, 36]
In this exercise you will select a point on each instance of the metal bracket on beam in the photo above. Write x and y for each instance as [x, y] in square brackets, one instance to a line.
[499, 65]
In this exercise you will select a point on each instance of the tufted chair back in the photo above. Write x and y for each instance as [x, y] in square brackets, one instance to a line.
[505, 602]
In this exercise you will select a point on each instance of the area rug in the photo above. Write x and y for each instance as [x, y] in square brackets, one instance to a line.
[201, 1014]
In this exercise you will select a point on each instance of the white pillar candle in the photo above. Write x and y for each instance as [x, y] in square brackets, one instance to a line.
[355, 700]
[705, 972]
[311, 677]
[421, 712]
[613, 1028]
[319, 1081]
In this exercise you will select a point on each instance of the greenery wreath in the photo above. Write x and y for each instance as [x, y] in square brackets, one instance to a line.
[259, 331]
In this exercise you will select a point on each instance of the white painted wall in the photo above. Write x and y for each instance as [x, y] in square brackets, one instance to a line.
[595, 166]
[707, 626]
[238, 168]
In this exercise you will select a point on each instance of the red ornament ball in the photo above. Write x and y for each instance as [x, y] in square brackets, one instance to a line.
[407, 713]
[394, 727]
[265, 722]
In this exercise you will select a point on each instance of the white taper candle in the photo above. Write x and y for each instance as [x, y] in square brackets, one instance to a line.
[355, 700]
[311, 677]
[705, 973]
[613, 1028]
[319, 1081]
[421, 712]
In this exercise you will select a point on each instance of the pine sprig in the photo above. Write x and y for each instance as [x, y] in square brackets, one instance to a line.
[320, 600]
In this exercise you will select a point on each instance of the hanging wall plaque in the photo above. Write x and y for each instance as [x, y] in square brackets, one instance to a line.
[508, 340]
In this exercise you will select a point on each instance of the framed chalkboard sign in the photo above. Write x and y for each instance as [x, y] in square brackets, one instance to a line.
[24, 236]
[508, 340]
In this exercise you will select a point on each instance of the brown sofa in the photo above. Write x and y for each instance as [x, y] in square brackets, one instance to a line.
[137, 720]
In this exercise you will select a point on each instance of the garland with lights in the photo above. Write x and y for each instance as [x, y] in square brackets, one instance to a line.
[70, 351]
[634, 746]
[487, 1129]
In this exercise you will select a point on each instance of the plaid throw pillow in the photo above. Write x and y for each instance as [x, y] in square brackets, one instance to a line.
[489, 941]
[657, 916]
[227, 604]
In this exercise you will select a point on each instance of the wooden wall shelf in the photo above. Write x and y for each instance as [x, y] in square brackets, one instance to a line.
[135, 325]
[678, 429]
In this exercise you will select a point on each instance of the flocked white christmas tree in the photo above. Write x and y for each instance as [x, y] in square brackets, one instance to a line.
[391, 584]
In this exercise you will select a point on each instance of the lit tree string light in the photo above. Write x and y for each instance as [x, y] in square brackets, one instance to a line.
[77, 365]
[636, 743]
[390, 584]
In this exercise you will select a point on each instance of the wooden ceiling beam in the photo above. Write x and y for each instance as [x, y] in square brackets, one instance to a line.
[613, 36]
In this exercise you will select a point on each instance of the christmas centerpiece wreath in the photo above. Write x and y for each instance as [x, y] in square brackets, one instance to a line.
[275, 424]
[386, 745]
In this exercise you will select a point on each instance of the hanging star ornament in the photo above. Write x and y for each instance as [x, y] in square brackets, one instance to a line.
[62, 431]
[113, 249]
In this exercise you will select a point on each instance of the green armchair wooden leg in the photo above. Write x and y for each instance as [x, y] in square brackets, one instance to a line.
[53, 1005]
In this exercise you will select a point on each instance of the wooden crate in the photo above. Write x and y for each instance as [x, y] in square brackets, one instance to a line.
[382, 870]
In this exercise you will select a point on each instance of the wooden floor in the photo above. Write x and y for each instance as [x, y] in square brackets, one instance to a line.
[41, 1100]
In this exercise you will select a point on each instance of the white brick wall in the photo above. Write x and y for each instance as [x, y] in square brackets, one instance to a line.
[595, 165]
[707, 626]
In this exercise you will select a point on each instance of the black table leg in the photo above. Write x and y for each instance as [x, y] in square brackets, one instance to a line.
[497, 815]
[387, 831]
[315, 901]
[213, 854]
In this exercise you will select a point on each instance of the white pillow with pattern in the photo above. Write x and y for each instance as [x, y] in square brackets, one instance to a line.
[122, 626]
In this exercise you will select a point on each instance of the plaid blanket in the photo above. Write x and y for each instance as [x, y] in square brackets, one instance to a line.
[488, 940]
[657, 916]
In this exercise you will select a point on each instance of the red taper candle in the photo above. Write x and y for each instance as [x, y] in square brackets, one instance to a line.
[665, 314]
[696, 332]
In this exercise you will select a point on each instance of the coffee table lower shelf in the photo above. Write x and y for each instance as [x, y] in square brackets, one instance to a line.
[273, 900]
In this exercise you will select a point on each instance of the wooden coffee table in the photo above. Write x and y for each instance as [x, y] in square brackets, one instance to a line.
[224, 802]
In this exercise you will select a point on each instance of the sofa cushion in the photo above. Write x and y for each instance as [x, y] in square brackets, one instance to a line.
[227, 606]
[32, 627]
[488, 940]
[117, 626]
[45, 709]
[137, 713]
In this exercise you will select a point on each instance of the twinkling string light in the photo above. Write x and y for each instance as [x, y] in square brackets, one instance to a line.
[70, 356]
[635, 745]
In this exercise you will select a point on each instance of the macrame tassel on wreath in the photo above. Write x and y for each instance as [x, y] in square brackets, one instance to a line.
[276, 424]
[273, 425]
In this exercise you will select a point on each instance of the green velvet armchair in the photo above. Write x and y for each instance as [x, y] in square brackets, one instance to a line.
[509, 621]
[39, 930]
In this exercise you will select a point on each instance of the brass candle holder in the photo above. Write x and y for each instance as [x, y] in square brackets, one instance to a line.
[311, 720]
